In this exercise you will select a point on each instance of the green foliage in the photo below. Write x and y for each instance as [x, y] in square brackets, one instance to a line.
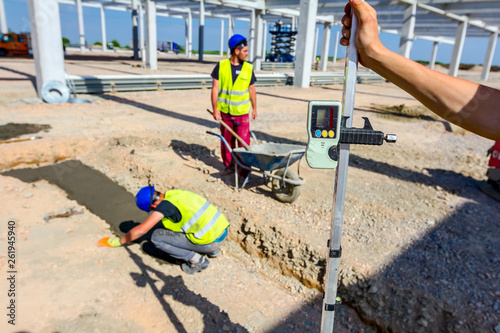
[65, 41]
[425, 63]
[98, 43]
[206, 52]
[127, 47]
[181, 49]
[115, 43]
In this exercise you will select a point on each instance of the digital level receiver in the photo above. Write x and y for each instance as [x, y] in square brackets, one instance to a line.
[323, 128]
[326, 128]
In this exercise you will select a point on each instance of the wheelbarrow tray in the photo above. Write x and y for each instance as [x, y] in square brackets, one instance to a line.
[270, 156]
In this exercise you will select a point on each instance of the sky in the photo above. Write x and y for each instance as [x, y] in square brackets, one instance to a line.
[119, 27]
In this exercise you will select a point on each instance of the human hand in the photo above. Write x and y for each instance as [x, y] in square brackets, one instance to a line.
[109, 242]
[217, 115]
[254, 114]
[368, 43]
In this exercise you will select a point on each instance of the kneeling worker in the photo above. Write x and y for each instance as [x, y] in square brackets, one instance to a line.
[193, 227]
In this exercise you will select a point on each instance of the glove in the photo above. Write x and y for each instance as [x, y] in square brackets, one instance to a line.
[109, 242]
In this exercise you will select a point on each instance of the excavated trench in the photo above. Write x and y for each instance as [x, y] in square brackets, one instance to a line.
[94, 190]
[115, 205]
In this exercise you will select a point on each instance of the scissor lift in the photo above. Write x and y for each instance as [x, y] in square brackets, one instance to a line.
[282, 43]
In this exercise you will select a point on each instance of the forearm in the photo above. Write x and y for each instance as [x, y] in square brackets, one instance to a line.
[131, 236]
[464, 103]
[214, 98]
[215, 94]
[142, 229]
[253, 96]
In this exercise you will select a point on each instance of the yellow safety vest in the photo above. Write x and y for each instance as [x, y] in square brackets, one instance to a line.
[234, 99]
[201, 222]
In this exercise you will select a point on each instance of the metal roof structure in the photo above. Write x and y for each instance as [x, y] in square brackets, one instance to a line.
[434, 19]
[441, 21]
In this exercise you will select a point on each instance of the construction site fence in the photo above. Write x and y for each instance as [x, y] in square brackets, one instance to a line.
[117, 83]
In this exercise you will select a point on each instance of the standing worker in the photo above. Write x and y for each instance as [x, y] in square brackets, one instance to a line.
[192, 227]
[233, 91]
[279, 24]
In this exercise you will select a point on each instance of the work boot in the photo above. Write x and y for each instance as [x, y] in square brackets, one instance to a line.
[191, 268]
[214, 254]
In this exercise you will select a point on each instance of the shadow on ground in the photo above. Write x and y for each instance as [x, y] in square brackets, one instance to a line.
[29, 77]
[116, 206]
[446, 281]
[214, 319]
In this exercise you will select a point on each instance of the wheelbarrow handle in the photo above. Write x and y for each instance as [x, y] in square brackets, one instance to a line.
[223, 140]
[232, 132]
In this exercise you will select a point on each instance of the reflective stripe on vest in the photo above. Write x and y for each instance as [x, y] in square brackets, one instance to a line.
[208, 226]
[228, 102]
[195, 217]
[234, 93]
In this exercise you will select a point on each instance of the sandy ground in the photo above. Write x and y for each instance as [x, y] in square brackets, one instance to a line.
[420, 240]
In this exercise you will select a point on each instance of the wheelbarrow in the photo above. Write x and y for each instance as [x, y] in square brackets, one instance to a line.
[265, 158]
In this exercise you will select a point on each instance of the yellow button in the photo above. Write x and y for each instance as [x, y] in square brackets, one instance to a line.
[331, 134]
[324, 133]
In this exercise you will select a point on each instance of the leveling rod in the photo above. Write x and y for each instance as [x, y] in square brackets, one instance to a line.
[330, 134]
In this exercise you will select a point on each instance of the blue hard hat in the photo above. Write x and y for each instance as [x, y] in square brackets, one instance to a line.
[235, 40]
[144, 198]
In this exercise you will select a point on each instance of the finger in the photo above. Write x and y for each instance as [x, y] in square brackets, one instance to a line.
[361, 8]
[346, 33]
[103, 242]
[346, 20]
[347, 8]
[344, 41]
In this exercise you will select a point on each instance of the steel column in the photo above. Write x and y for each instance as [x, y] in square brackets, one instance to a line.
[336, 47]
[458, 48]
[257, 60]
[326, 45]
[230, 32]
[488, 58]
[151, 36]
[434, 55]
[408, 30]
[251, 36]
[307, 22]
[46, 42]
[81, 28]
[135, 30]
[3, 19]
[315, 47]
[104, 42]
[221, 48]
[201, 30]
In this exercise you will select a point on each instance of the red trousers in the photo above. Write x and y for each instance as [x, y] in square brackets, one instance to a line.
[241, 126]
[495, 156]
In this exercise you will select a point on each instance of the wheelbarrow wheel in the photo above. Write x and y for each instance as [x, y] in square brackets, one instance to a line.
[283, 191]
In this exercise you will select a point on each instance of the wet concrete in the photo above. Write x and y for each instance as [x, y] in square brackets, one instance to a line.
[101, 196]
[12, 130]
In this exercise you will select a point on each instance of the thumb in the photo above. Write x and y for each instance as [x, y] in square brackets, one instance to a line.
[360, 8]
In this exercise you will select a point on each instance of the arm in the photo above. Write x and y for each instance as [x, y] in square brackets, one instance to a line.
[215, 97]
[466, 104]
[253, 100]
[141, 229]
